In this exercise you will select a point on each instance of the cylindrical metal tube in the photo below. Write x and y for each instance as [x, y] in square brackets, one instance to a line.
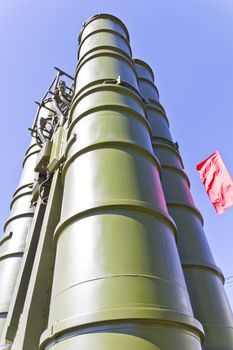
[104, 43]
[116, 36]
[146, 81]
[204, 279]
[118, 281]
[16, 228]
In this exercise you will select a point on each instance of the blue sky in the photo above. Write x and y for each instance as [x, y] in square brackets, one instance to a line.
[187, 43]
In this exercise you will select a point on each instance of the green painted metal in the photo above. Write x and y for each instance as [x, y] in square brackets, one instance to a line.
[146, 81]
[31, 295]
[104, 43]
[116, 37]
[204, 279]
[118, 282]
[21, 286]
[16, 228]
[33, 319]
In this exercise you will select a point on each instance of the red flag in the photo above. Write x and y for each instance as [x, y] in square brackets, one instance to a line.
[217, 182]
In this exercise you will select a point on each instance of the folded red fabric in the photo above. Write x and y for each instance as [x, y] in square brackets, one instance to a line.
[217, 181]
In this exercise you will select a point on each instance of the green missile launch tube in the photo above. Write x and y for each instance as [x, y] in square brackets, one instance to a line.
[16, 228]
[203, 278]
[118, 282]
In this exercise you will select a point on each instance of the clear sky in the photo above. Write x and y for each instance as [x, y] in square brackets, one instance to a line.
[189, 45]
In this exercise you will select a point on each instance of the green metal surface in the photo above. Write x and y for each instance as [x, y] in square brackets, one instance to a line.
[204, 279]
[104, 43]
[118, 282]
[17, 227]
[35, 287]
[34, 315]
[115, 66]
[21, 286]
[146, 81]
